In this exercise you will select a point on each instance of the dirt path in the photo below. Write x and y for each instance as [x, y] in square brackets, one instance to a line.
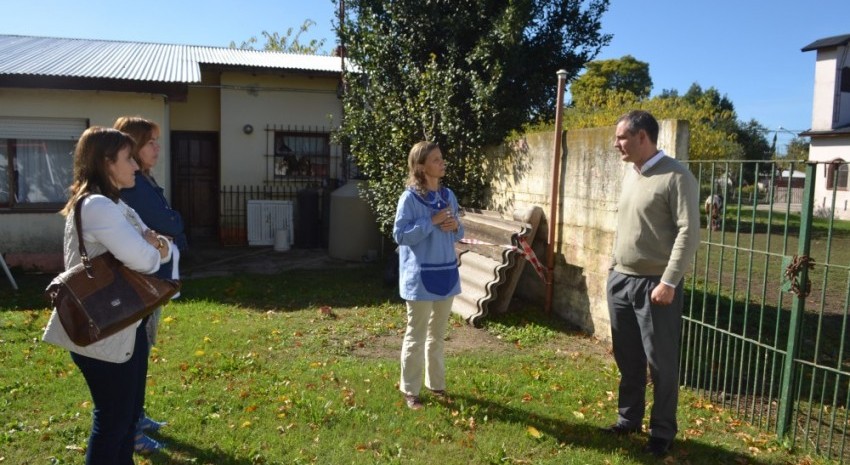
[464, 338]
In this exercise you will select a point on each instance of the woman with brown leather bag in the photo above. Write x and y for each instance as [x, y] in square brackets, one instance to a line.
[114, 367]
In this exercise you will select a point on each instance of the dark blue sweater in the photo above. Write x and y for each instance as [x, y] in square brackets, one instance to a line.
[148, 200]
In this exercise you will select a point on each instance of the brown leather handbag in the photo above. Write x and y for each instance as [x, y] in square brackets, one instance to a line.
[100, 296]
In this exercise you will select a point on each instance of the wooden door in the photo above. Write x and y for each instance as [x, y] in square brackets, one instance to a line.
[195, 183]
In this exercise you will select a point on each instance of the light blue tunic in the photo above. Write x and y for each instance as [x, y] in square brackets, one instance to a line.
[428, 268]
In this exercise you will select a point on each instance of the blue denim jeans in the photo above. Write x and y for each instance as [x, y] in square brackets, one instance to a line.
[117, 390]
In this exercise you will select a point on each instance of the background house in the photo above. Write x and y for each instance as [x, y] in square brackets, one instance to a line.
[830, 132]
[249, 123]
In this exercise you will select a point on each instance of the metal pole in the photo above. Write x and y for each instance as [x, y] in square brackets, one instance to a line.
[554, 197]
[798, 307]
[8, 273]
[341, 49]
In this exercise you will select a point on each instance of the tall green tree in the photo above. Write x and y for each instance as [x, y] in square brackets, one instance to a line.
[723, 117]
[290, 42]
[463, 73]
[773, 145]
[798, 150]
[751, 138]
[707, 142]
[625, 74]
[610, 88]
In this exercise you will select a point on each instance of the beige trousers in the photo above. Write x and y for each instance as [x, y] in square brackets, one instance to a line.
[422, 348]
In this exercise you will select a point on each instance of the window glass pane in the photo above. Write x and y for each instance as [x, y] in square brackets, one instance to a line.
[302, 145]
[4, 172]
[43, 170]
[300, 154]
[841, 179]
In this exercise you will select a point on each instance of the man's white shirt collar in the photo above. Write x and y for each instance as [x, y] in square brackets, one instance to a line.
[651, 162]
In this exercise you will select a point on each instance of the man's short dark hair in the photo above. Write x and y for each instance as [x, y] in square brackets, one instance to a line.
[641, 119]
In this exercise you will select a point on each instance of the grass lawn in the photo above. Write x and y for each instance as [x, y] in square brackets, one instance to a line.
[302, 367]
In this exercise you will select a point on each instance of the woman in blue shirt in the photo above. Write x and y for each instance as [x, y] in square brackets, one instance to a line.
[426, 229]
[148, 200]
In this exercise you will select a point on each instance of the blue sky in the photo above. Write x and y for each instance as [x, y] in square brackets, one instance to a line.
[748, 49]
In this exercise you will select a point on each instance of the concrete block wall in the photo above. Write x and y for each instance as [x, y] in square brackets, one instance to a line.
[591, 178]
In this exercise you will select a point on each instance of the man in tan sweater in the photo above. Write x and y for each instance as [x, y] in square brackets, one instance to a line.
[657, 236]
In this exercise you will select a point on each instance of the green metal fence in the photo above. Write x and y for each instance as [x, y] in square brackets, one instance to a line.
[765, 330]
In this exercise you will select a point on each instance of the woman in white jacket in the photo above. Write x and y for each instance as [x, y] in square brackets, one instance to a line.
[115, 367]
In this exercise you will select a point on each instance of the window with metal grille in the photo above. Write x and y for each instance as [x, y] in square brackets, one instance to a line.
[301, 154]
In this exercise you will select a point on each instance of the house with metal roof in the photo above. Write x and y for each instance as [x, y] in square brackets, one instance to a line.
[830, 131]
[229, 117]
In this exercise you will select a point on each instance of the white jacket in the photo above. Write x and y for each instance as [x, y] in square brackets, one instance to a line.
[113, 227]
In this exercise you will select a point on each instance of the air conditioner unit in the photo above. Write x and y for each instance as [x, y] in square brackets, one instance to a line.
[265, 217]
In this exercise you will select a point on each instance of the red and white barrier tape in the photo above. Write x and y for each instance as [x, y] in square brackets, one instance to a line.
[524, 249]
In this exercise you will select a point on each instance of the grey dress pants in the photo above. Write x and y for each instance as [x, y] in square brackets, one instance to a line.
[643, 333]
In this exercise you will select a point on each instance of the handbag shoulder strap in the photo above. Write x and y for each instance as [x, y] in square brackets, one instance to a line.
[78, 222]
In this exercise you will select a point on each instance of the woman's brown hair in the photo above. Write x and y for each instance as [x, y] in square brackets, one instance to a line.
[97, 146]
[141, 130]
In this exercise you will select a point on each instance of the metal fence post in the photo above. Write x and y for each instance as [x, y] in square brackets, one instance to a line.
[798, 307]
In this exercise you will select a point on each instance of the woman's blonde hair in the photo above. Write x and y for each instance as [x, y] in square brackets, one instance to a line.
[415, 165]
[97, 146]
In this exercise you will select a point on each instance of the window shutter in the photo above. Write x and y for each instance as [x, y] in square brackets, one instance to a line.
[42, 128]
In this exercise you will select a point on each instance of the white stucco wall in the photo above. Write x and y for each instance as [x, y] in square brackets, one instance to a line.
[827, 150]
[830, 108]
[823, 100]
[289, 100]
[589, 189]
[38, 235]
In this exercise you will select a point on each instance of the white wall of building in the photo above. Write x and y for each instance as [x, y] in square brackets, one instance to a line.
[830, 110]
[823, 101]
[38, 235]
[827, 150]
[289, 100]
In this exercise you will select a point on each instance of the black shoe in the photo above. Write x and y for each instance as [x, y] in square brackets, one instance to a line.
[658, 447]
[620, 430]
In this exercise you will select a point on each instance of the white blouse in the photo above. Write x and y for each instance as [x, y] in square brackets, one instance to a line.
[117, 228]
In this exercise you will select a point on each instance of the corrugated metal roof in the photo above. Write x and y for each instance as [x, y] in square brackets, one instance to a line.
[827, 42]
[85, 58]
